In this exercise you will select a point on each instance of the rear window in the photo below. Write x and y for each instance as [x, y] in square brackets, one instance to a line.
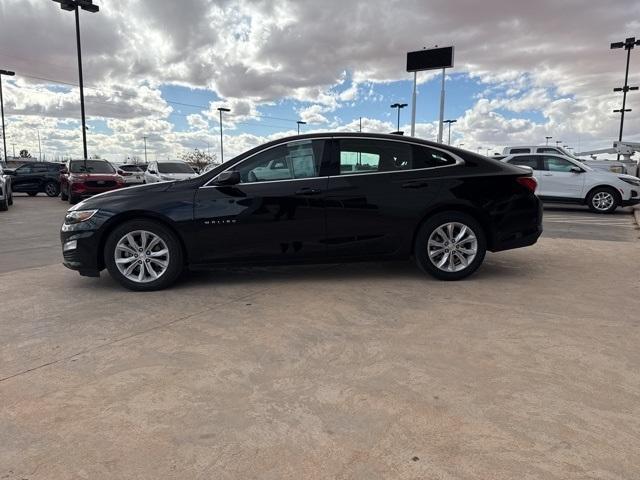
[519, 150]
[92, 166]
[174, 167]
[130, 168]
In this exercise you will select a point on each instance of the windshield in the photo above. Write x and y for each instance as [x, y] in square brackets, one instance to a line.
[130, 168]
[174, 167]
[93, 166]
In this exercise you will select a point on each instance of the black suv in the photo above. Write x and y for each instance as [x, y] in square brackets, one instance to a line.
[36, 177]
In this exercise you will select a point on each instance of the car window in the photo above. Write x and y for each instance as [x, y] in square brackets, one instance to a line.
[92, 166]
[283, 162]
[174, 167]
[520, 150]
[25, 169]
[424, 157]
[547, 150]
[557, 164]
[40, 169]
[364, 156]
[525, 161]
[129, 168]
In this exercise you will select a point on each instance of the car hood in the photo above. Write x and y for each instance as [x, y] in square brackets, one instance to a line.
[104, 199]
[178, 176]
[628, 177]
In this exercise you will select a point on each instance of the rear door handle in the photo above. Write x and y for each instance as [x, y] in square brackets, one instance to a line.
[415, 184]
[308, 191]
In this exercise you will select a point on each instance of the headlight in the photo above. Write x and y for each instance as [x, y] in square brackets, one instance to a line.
[78, 216]
[616, 169]
[631, 181]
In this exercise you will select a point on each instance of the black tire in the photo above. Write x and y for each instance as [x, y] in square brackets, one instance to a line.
[10, 202]
[32, 194]
[595, 200]
[421, 249]
[4, 204]
[52, 189]
[63, 195]
[176, 257]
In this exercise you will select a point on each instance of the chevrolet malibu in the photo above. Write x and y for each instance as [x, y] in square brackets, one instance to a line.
[337, 197]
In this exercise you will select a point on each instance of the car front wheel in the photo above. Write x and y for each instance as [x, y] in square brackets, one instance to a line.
[143, 255]
[603, 200]
[51, 189]
[450, 246]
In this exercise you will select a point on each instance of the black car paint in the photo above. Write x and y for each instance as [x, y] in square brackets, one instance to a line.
[25, 180]
[328, 218]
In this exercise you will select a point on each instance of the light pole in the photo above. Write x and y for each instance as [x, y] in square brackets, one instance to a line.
[628, 45]
[222, 109]
[75, 6]
[8, 73]
[488, 148]
[449, 122]
[39, 146]
[399, 106]
[145, 149]
[300, 122]
[558, 142]
[479, 148]
[548, 138]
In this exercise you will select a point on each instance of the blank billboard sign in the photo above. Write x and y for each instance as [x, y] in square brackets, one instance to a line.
[430, 59]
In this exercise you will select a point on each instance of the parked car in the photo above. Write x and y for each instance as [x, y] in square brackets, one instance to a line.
[408, 197]
[567, 180]
[132, 174]
[606, 165]
[36, 177]
[6, 195]
[168, 171]
[79, 180]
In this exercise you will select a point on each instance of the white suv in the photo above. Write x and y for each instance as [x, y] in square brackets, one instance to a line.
[566, 180]
[6, 195]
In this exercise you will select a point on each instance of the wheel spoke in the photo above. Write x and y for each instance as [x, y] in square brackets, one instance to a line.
[433, 253]
[126, 248]
[124, 260]
[143, 240]
[132, 241]
[130, 269]
[159, 253]
[461, 234]
[132, 260]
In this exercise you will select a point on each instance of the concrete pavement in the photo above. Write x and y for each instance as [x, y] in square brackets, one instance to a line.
[530, 369]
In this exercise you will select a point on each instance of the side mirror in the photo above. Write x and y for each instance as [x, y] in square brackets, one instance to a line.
[120, 172]
[576, 170]
[64, 171]
[230, 177]
[153, 172]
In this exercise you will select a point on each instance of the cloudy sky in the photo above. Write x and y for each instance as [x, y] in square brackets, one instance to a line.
[160, 68]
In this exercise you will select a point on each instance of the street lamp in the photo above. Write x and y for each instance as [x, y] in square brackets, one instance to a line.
[222, 109]
[8, 73]
[558, 142]
[628, 45]
[478, 149]
[300, 122]
[548, 138]
[399, 106]
[145, 149]
[449, 122]
[75, 6]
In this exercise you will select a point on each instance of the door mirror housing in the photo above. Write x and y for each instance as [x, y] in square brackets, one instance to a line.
[576, 170]
[64, 171]
[230, 177]
[153, 172]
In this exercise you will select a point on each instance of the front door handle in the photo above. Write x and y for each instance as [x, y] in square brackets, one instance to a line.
[415, 184]
[308, 191]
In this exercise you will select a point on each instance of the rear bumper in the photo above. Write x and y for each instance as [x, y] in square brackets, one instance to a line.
[525, 229]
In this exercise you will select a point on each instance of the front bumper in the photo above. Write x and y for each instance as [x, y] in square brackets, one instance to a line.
[80, 251]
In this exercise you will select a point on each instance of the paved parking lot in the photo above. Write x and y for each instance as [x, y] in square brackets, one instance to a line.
[530, 369]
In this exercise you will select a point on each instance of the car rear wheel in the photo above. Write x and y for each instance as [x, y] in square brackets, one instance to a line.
[603, 200]
[143, 255]
[51, 189]
[450, 246]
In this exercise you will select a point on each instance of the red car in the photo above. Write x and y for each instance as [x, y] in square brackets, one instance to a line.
[81, 179]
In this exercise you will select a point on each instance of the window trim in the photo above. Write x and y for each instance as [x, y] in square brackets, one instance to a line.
[458, 160]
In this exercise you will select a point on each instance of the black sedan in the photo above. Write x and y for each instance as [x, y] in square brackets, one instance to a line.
[331, 197]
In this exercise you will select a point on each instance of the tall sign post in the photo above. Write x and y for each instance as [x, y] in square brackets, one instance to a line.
[429, 59]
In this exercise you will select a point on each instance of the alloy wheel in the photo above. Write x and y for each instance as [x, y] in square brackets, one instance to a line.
[602, 201]
[141, 256]
[51, 190]
[452, 247]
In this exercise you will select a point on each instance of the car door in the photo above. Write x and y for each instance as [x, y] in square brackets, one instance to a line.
[559, 180]
[262, 219]
[376, 190]
[24, 179]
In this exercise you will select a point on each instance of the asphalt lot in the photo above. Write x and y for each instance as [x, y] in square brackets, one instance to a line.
[530, 369]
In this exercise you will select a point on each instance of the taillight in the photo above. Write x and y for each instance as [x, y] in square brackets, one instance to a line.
[529, 183]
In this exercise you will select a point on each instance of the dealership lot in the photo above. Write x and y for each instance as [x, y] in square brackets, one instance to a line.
[528, 369]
